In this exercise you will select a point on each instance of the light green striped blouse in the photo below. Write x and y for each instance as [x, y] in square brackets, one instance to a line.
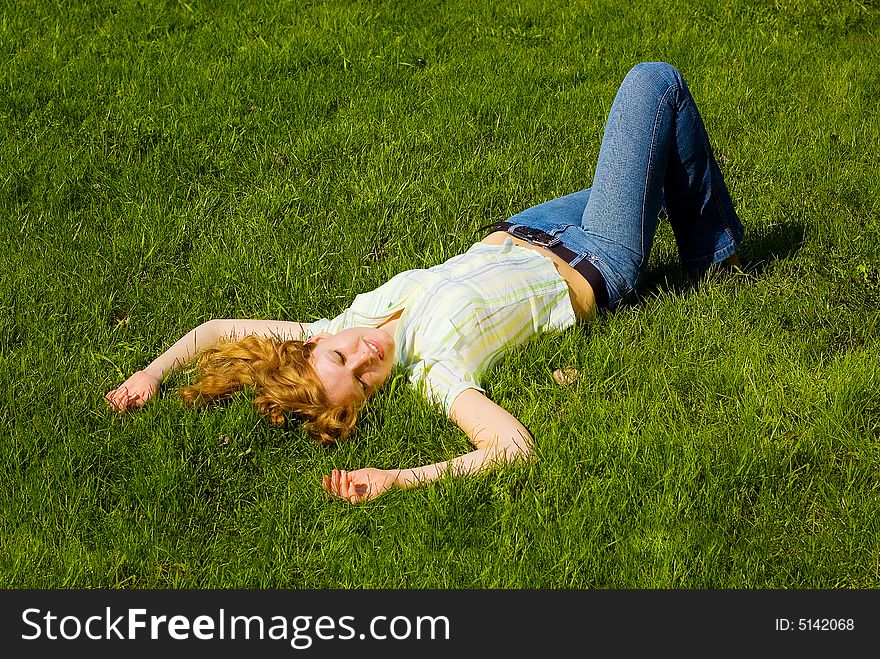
[459, 317]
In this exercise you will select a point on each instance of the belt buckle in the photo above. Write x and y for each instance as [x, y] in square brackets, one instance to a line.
[534, 236]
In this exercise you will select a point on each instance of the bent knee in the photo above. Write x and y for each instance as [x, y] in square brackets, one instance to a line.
[658, 70]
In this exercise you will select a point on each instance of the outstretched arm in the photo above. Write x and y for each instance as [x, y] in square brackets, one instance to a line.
[144, 384]
[497, 435]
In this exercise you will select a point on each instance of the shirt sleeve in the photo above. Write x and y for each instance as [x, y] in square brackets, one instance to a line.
[330, 326]
[355, 315]
[367, 310]
[441, 381]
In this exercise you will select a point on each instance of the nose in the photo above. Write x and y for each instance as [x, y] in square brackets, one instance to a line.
[361, 358]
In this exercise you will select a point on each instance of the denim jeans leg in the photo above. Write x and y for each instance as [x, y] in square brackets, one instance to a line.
[655, 151]
[549, 215]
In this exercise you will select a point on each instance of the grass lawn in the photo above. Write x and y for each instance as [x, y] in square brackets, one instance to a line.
[164, 163]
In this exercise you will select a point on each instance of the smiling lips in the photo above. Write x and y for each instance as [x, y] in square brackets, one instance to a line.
[375, 347]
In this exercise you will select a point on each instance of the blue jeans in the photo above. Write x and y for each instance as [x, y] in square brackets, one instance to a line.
[655, 153]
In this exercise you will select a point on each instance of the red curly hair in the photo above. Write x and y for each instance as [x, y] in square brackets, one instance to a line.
[284, 380]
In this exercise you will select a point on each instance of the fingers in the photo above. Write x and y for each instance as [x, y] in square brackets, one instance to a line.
[110, 395]
[345, 486]
[340, 483]
[331, 483]
[121, 399]
[118, 398]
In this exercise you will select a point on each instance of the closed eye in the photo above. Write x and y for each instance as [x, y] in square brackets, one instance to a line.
[361, 383]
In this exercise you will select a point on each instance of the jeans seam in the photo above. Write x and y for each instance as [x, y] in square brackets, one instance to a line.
[714, 172]
[649, 172]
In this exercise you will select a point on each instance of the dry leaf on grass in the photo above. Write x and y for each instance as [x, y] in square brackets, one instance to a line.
[566, 376]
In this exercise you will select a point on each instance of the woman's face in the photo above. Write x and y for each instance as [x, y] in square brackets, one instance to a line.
[352, 364]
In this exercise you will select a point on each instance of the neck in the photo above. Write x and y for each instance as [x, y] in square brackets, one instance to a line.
[390, 325]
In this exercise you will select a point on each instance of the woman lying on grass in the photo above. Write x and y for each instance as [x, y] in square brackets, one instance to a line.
[543, 269]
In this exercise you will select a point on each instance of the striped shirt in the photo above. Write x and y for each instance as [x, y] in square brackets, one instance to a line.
[458, 318]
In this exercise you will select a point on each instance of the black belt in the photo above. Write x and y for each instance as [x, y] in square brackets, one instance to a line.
[553, 244]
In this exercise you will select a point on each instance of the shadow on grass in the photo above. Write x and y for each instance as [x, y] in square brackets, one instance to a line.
[764, 245]
[761, 247]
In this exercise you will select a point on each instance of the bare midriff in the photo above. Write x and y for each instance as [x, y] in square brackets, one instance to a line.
[583, 300]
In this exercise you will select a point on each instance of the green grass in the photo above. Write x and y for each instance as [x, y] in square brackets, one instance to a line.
[166, 163]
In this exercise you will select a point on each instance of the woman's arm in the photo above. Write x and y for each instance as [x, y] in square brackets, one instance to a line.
[497, 435]
[143, 384]
[211, 332]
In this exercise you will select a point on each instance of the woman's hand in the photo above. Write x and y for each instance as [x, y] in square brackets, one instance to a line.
[360, 485]
[134, 392]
